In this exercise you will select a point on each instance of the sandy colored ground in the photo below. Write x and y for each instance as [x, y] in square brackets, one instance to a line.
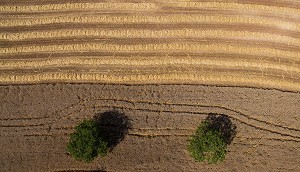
[35, 121]
[221, 42]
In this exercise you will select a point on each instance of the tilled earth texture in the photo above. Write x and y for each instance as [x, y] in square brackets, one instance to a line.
[164, 63]
[35, 121]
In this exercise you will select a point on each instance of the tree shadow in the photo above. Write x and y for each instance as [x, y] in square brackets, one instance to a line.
[223, 124]
[114, 125]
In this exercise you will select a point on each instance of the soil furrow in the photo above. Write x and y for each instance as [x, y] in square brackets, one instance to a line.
[279, 44]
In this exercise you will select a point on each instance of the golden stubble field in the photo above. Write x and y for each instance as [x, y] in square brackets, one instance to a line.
[166, 64]
[222, 42]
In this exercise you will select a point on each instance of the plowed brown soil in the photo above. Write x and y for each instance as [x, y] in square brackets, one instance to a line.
[35, 121]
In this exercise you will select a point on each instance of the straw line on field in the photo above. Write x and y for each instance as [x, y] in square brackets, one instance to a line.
[161, 19]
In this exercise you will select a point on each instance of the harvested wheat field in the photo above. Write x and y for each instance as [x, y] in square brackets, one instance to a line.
[166, 64]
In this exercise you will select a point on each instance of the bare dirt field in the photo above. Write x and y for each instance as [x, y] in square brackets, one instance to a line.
[35, 121]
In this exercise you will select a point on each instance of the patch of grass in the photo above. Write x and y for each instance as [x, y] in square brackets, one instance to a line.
[88, 141]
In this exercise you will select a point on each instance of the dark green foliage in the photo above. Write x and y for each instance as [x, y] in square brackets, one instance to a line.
[211, 139]
[207, 145]
[98, 136]
[88, 141]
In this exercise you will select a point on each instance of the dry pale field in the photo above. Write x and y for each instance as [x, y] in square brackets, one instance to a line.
[221, 42]
[166, 64]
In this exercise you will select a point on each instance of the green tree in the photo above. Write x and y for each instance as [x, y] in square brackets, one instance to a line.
[211, 138]
[207, 144]
[88, 141]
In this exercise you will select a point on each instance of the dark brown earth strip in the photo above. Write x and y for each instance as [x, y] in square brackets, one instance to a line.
[280, 3]
[144, 41]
